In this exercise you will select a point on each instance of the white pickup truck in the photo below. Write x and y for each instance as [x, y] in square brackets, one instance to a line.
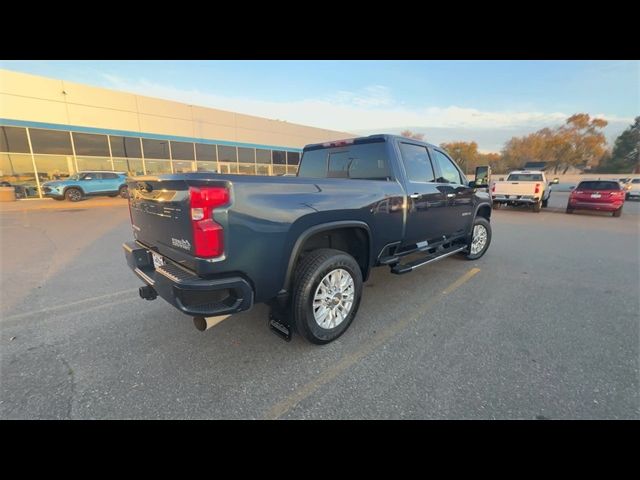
[528, 187]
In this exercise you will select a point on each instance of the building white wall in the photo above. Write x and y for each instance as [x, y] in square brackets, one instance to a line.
[33, 98]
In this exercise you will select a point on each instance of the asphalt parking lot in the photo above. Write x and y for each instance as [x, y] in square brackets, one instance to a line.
[545, 326]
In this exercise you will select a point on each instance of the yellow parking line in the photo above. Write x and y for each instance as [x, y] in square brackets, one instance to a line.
[305, 391]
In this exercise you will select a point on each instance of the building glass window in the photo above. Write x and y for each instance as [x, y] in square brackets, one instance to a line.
[182, 151]
[127, 147]
[279, 169]
[50, 141]
[263, 156]
[155, 148]
[227, 154]
[292, 169]
[293, 158]
[132, 166]
[247, 168]
[155, 167]
[279, 157]
[93, 163]
[90, 144]
[263, 169]
[54, 167]
[207, 166]
[181, 166]
[246, 155]
[206, 152]
[17, 171]
[228, 167]
[14, 139]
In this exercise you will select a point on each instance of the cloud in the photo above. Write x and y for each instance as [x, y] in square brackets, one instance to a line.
[371, 109]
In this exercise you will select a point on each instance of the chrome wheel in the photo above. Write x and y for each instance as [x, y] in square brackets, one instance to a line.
[479, 239]
[333, 299]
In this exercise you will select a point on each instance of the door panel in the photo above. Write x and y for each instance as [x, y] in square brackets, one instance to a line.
[456, 218]
[424, 198]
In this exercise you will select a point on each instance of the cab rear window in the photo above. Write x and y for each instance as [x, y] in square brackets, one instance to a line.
[598, 186]
[524, 177]
[364, 161]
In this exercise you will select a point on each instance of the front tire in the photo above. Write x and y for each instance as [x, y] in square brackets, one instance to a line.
[327, 293]
[480, 238]
[123, 191]
[73, 194]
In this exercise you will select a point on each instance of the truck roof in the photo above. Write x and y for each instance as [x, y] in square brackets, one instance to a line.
[385, 136]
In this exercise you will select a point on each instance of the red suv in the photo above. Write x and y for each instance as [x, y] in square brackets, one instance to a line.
[603, 195]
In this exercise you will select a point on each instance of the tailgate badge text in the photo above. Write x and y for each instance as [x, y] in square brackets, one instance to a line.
[181, 243]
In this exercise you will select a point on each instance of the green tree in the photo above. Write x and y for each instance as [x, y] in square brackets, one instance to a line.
[625, 157]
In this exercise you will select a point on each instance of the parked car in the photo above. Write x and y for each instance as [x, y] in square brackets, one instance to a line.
[522, 187]
[632, 188]
[87, 183]
[215, 244]
[605, 195]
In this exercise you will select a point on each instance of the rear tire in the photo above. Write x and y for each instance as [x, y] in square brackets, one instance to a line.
[569, 209]
[618, 213]
[484, 223]
[545, 203]
[73, 194]
[537, 206]
[341, 280]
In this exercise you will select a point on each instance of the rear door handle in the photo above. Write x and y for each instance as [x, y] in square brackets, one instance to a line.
[451, 195]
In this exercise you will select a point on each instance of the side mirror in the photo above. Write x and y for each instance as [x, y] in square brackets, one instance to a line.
[472, 183]
[555, 181]
[501, 179]
[483, 175]
[87, 178]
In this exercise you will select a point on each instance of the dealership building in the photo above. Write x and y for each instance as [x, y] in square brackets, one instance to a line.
[51, 129]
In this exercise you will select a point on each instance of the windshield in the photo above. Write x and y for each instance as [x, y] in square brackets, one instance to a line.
[75, 176]
[525, 177]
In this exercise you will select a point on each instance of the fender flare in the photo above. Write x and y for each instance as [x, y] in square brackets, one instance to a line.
[305, 235]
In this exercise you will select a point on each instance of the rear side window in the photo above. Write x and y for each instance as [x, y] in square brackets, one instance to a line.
[416, 163]
[599, 185]
[525, 177]
[635, 180]
[109, 176]
[366, 161]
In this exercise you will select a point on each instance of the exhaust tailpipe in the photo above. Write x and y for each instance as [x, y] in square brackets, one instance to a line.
[205, 323]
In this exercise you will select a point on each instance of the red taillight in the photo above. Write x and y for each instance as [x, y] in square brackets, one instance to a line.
[537, 188]
[493, 188]
[208, 238]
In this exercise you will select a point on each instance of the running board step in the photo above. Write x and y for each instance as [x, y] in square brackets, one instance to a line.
[399, 268]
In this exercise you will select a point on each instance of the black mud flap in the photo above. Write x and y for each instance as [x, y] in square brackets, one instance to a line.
[279, 323]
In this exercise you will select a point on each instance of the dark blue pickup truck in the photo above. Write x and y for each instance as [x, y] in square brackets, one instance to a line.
[214, 244]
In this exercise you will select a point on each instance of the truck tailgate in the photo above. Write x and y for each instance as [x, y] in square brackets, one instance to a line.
[161, 216]
[515, 188]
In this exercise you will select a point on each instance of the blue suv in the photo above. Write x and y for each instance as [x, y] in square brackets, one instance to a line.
[87, 183]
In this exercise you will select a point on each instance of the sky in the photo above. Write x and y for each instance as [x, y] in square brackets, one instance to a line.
[477, 100]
